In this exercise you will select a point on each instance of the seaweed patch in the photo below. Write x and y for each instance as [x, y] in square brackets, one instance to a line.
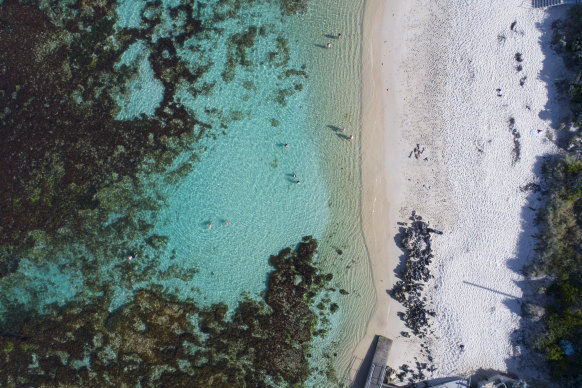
[154, 339]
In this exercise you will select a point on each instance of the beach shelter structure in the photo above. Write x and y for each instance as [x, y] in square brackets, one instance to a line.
[378, 368]
[551, 3]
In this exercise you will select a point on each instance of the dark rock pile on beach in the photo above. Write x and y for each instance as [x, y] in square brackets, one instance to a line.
[516, 151]
[416, 242]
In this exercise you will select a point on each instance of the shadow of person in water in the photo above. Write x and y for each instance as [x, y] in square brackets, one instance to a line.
[335, 128]
[292, 178]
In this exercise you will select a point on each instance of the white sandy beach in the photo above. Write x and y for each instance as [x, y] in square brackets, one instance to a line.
[430, 71]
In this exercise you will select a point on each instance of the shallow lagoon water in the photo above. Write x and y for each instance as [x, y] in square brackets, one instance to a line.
[245, 179]
[242, 172]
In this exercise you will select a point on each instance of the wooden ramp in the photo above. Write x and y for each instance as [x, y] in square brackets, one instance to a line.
[378, 367]
[551, 3]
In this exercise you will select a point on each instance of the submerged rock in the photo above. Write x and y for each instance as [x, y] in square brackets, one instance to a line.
[165, 342]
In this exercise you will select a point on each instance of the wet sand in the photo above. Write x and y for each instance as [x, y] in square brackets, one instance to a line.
[383, 51]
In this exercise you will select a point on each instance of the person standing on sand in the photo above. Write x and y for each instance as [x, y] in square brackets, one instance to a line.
[329, 45]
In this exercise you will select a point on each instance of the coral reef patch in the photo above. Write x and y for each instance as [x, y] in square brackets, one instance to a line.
[156, 340]
[70, 151]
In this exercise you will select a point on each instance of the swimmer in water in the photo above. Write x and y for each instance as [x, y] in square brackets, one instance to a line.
[210, 226]
[286, 145]
[129, 257]
[227, 223]
[294, 176]
[298, 182]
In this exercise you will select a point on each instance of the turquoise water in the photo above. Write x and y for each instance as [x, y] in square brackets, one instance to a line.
[144, 92]
[243, 176]
[229, 198]
[245, 179]
[242, 173]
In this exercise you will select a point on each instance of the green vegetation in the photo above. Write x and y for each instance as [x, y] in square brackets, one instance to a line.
[560, 248]
[561, 259]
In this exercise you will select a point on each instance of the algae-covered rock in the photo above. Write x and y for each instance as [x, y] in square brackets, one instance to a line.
[157, 241]
[166, 342]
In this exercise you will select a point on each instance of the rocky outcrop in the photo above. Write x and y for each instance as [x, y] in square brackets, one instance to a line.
[158, 341]
[416, 242]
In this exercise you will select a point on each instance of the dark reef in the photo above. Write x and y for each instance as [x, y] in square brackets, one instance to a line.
[72, 187]
[157, 341]
[67, 163]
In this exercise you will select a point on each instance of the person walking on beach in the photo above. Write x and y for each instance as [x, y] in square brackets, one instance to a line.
[351, 138]
[329, 45]
[339, 36]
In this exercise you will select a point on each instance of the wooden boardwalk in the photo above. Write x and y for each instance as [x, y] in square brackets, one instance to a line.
[551, 3]
[378, 368]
